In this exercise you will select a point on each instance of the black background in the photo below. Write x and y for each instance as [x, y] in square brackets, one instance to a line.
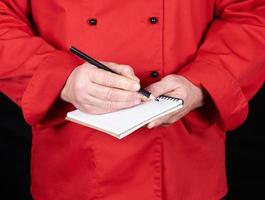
[245, 153]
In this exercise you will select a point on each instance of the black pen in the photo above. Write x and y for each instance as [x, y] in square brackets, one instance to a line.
[94, 62]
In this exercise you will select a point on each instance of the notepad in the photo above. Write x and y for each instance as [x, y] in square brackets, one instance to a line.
[123, 122]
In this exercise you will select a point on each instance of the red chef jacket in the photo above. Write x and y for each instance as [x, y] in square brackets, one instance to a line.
[218, 44]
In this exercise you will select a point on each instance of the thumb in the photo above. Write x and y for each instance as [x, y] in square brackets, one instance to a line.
[162, 87]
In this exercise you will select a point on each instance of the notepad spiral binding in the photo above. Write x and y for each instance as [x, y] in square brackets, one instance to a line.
[170, 98]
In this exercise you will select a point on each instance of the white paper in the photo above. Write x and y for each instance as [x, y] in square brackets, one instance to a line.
[123, 122]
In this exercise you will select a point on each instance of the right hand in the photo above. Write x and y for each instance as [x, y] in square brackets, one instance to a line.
[97, 91]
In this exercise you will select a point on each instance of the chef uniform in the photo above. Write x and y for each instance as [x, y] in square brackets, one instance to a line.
[217, 44]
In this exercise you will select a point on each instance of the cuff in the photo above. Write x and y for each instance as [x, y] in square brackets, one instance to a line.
[41, 101]
[230, 106]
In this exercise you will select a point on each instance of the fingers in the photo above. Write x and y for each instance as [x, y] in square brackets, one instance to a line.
[168, 119]
[124, 70]
[112, 94]
[109, 79]
[89, 109]
[172, 119]
[158, 121]
[165, 120]
[94, 105]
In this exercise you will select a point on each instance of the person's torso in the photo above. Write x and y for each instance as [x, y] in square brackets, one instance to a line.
[70, 161]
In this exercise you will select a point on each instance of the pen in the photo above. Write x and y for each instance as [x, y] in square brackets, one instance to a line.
[94, 62]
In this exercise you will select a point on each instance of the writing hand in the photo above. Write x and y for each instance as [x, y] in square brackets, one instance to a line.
[97, 91]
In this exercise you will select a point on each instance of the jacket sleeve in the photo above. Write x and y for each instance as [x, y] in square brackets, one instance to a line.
[230, 63]
[32, 72]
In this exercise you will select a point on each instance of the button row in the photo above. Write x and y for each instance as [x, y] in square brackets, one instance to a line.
[152, 20]
[93, 21]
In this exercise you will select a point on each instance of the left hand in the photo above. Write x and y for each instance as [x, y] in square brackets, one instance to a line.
[180, 87]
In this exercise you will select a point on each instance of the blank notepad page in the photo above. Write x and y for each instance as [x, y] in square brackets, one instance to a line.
[121, 123]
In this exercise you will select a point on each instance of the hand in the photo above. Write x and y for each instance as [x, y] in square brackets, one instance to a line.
[97, 91]
[180, 87]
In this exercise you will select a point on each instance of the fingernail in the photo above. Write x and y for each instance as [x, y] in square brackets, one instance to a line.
[151, 125]
[144, 98]
[137, 102]
[136, 86]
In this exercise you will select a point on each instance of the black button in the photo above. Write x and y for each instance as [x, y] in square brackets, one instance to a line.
[154, 74]
[153, 20]
[92, 21]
